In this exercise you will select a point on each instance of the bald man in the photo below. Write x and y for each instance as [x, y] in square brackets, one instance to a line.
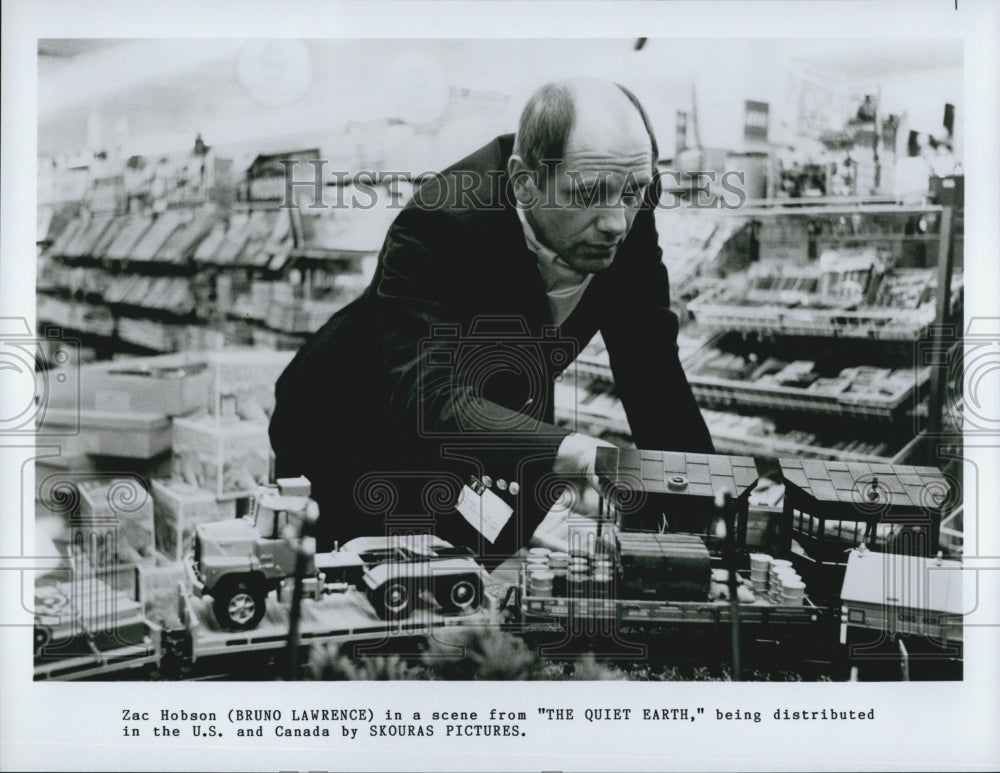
[428, 403]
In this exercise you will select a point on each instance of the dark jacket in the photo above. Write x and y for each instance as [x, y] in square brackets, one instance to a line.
[444, 367]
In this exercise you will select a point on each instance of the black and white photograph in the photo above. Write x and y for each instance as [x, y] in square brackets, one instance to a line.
[546, 367]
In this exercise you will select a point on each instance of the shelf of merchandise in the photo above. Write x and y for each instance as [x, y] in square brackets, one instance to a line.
[834, 424]
[889, 336]
[187, 278]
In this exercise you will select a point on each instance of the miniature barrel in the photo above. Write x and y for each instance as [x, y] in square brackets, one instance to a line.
[602, 564]
[777, 565]
[577, 583]
[776, 580]
[559, 560]
[600, 585]
[579, 565]
[540, 583]
[784, 574]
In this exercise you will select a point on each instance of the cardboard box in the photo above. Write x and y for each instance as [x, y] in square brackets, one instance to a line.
[130, 435]
[141, 386]
[227, 457]
[246, 376]
[178, 508]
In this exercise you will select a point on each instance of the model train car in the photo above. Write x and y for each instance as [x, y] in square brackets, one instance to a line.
[678, 558]
[239, 562]
[675, 546]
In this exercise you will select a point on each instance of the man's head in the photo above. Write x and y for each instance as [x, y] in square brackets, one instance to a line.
[583, 157]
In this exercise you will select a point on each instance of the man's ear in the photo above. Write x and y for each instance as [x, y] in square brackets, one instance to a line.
[522, 180]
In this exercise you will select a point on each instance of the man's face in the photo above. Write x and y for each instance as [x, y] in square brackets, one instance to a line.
[584, 207]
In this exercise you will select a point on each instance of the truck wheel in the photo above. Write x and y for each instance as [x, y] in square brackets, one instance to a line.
[458, 594]
[392, 599]
[239, 604]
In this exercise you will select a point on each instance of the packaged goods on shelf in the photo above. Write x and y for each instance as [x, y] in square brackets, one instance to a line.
[200, 339]
[227, 457]
[232, 242]
[178, 508]
[158, 336]
[59, 244]
[182, 243]
[163, 293]
[255, 305]
[96, 320]
[272, 339]
[302, 316]
[129, 235]
[163, 227]
[208, 247]
[122, 508]
[87, 238]
[55, 311]
[270, 239]
[77, 316]
[691, 241]
[351, 229]
[100, 248]
[43, 223]
[257, 230]
[851, 295]
[246, 378]
[720, 378]
[759, 435]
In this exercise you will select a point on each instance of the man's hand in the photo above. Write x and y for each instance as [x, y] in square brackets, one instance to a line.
[562, 529]
[575, 463]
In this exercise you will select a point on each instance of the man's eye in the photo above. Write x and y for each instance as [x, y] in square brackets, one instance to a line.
[632, 198]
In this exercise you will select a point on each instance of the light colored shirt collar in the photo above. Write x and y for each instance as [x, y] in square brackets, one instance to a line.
[564, 286]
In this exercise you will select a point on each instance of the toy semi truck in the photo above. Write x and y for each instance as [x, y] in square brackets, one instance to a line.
[239, 562]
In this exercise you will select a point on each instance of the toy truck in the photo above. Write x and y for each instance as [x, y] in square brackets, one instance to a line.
[396, 571]
[239, 562]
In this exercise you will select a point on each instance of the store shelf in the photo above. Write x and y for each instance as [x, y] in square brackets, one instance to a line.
[839, 381]
[839, 450]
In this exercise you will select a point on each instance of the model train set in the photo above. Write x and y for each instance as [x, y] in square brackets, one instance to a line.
[852, 557]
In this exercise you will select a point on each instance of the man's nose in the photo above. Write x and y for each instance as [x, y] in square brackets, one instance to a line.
[612, 220]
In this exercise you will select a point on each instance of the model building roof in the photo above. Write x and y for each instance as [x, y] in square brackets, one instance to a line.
[874, 487]
[665, 472]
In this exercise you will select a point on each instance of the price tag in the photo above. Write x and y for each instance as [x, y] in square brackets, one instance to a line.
[487, 512]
